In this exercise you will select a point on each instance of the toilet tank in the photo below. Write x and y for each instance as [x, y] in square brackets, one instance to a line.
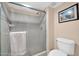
[66, 45]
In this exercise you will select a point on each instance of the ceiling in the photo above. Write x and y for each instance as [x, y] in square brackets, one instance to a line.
[37, 5]
[40, 5]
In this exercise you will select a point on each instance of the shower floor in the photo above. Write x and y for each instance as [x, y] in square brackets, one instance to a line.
[44, 53]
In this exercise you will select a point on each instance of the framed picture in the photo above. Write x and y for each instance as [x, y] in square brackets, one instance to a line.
[69, 14]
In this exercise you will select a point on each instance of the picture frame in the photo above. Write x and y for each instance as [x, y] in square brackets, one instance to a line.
[69, 14]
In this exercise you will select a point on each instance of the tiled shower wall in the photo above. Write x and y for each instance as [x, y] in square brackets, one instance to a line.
[4, 35]
[36, 39]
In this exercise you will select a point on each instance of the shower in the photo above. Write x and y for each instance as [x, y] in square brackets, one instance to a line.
[20, 18]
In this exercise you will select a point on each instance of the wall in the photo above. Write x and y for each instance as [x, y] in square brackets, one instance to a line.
[68, 30]
[0, 29]
[50, 28]
[36, 31]
[4, 34]
[24, 18]
[35, 42]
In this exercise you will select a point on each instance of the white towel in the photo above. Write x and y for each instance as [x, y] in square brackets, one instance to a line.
[18, 43]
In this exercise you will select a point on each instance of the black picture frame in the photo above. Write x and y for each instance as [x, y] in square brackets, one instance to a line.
[69, 14]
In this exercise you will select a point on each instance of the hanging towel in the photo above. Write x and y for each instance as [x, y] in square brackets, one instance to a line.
[18, 43]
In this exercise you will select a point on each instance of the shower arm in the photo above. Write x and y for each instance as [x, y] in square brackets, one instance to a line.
[27, 7]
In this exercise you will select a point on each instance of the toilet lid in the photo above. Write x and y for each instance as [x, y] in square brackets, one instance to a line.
[56, 52]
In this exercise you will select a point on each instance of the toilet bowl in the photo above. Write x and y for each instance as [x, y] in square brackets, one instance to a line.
[56, 52]
[65, 47]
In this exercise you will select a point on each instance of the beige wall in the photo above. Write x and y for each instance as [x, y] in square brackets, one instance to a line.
[68, 30]
[50, 28]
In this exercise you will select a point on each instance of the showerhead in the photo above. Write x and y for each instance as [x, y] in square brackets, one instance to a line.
[11, 25]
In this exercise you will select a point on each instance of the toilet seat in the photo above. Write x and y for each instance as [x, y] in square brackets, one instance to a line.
[56, 52]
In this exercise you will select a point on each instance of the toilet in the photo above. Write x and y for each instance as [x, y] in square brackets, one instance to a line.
[65, 47]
